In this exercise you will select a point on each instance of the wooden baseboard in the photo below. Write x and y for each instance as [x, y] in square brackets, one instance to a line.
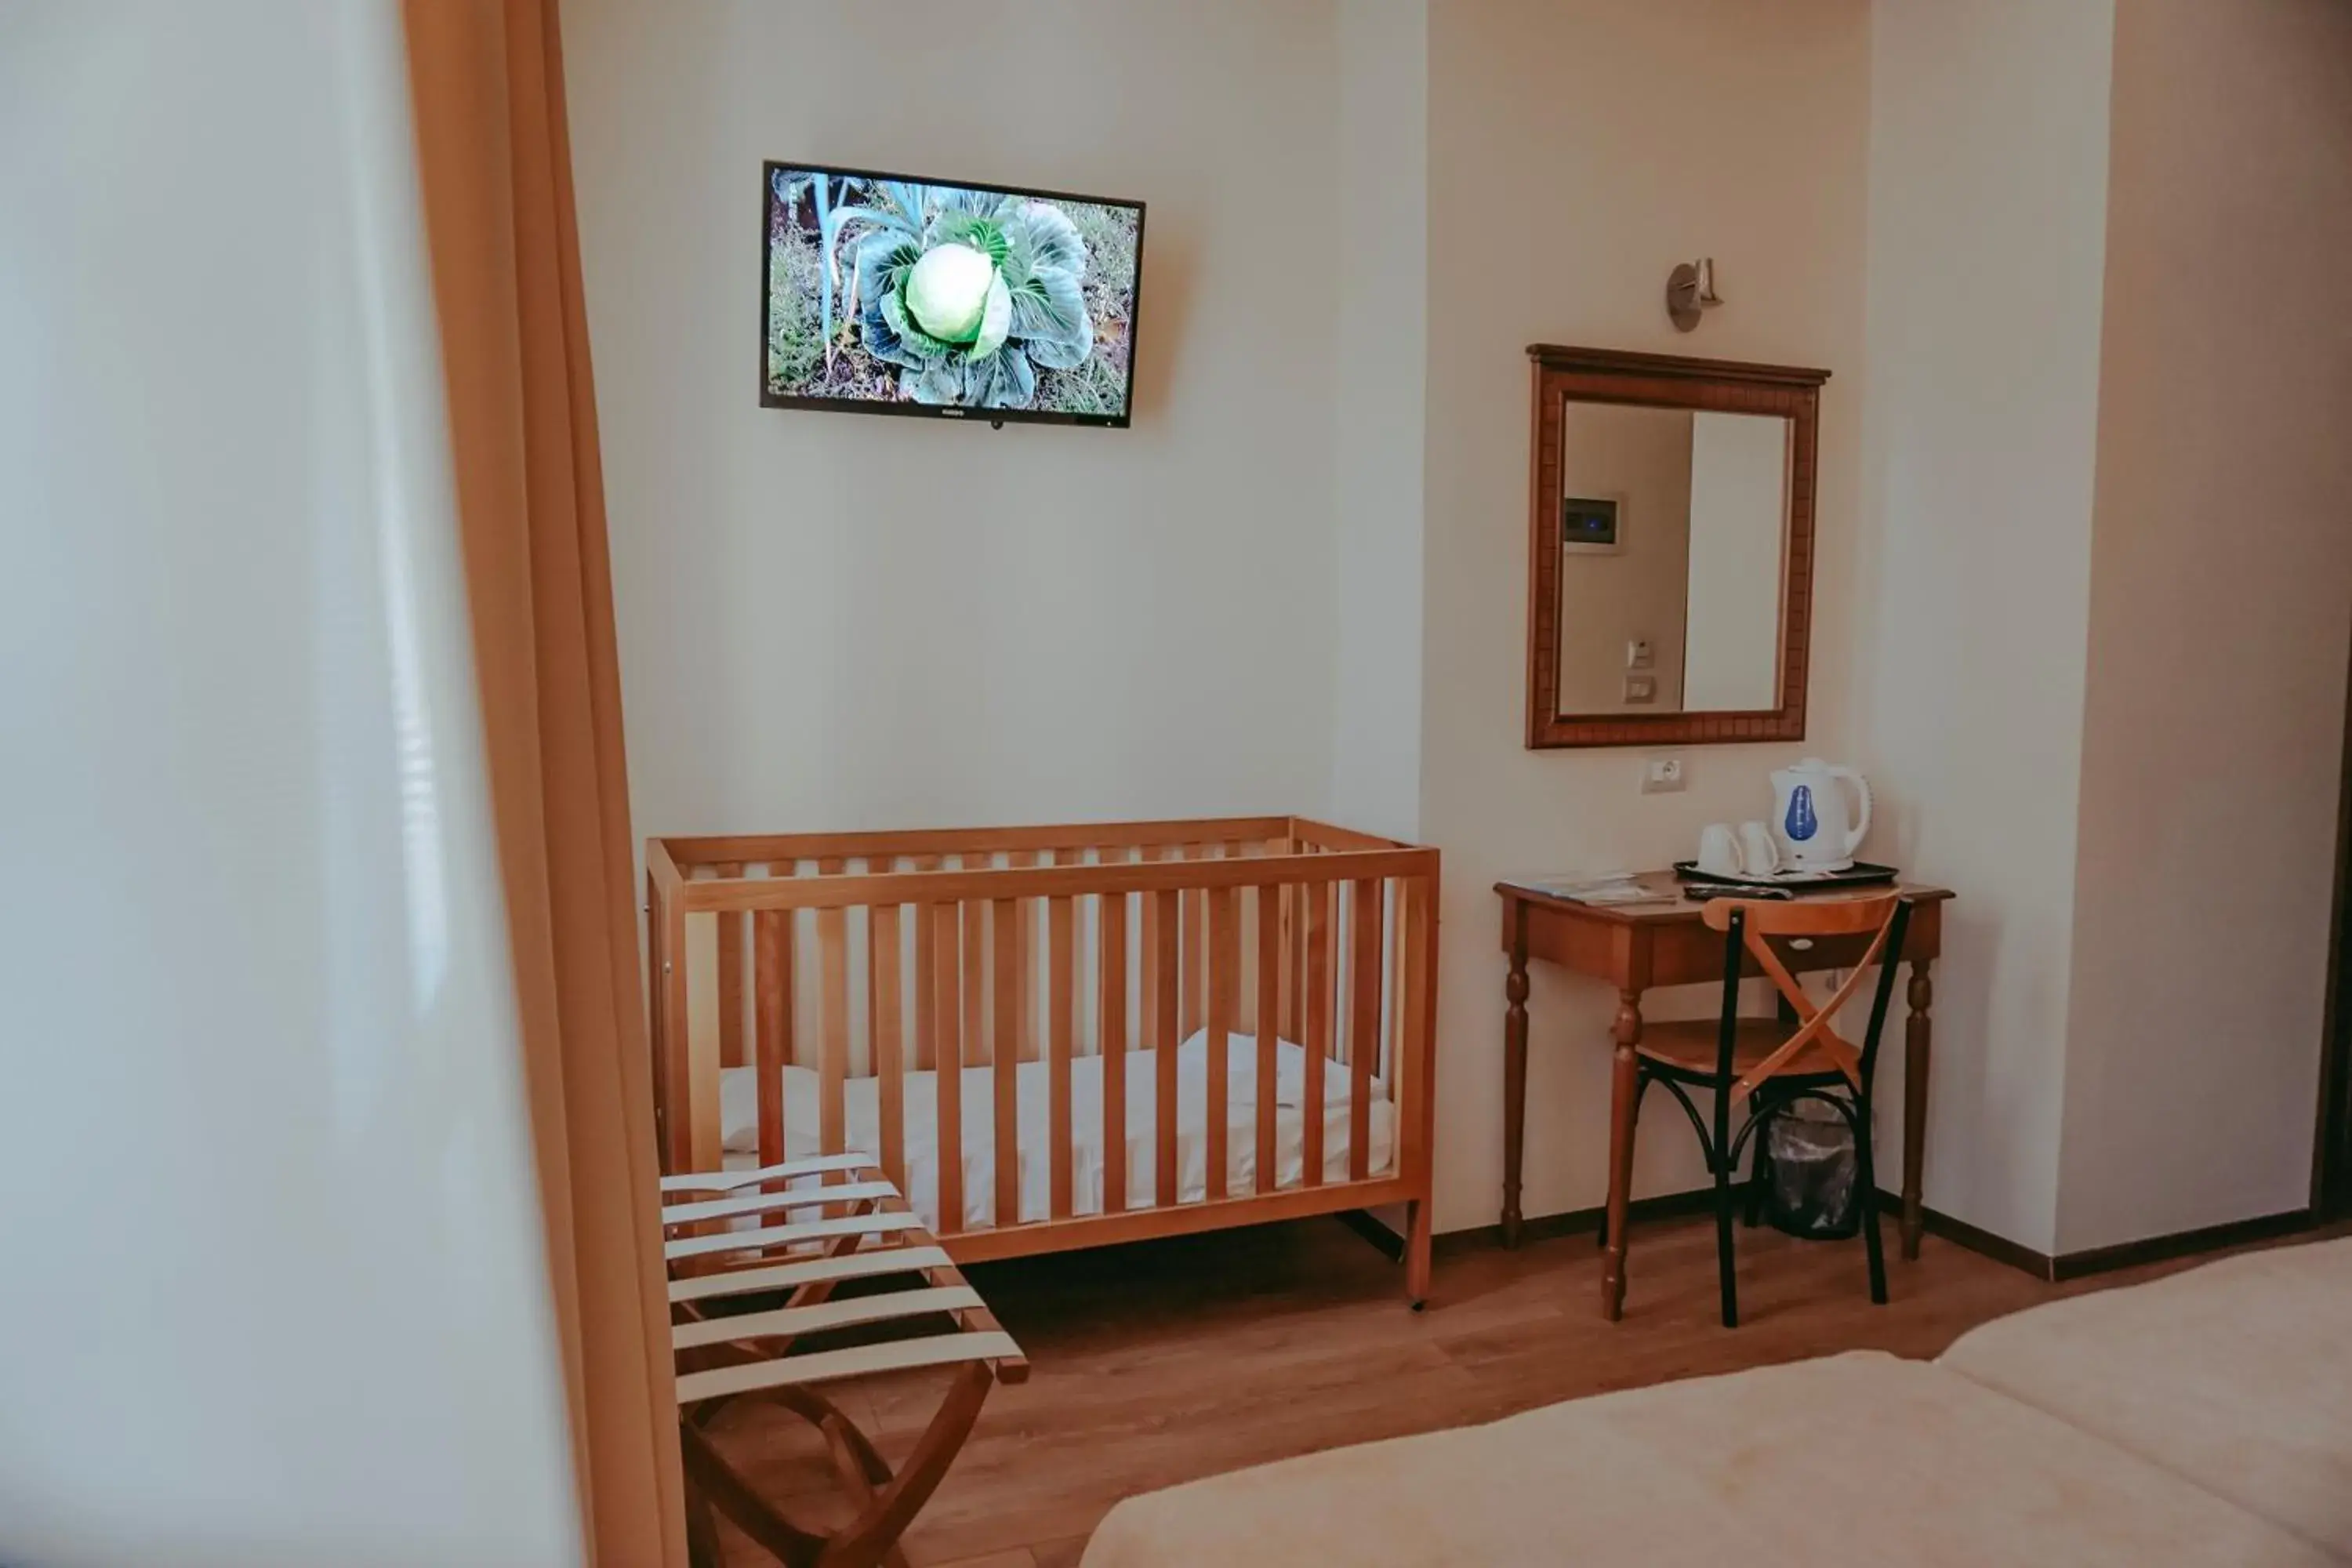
[2101, 1259]
[1574, 1221]
[2180, 1243]
[1960, 1233]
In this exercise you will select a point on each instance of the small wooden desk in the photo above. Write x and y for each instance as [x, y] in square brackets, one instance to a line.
[1636, 946]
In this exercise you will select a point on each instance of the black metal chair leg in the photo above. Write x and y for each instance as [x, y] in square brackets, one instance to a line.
[1724, 1264]
[1866, 1172]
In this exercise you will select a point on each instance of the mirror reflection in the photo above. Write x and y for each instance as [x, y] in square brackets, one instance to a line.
[1673, 528]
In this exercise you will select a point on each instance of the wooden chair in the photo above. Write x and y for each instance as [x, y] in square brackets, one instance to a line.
[1775, 1062]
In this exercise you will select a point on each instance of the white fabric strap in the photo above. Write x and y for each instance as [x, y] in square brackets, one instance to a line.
[728, 1180]
[867, 1263]
[895, 1355]
[758, 1203]
[787, 1235]
[841, 1314]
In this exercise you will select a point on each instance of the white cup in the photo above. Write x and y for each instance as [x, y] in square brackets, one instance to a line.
[1718, 851]
[1759, 856]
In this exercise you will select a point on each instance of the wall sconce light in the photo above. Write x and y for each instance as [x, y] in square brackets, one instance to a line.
[1690, 289]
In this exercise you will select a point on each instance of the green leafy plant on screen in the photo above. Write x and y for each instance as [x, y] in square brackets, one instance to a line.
[969, 293]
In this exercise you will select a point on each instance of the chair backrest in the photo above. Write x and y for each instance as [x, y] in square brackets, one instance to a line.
[1750, 927]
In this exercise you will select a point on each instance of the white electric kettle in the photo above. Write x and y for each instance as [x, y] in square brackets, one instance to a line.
[1810, 817]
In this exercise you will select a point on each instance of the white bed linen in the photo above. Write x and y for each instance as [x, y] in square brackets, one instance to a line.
[738, 1124]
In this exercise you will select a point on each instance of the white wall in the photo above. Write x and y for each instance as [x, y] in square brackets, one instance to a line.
[831, 621]
[274, 1288]
[1577, 149]
[1987, 199]
[1377, 413]
[2219, 616]
[1738, 525]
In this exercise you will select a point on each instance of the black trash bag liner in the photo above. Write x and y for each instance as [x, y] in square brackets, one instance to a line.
[1812, 1170]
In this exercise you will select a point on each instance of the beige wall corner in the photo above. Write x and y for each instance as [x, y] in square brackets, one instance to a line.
[1988, 158]
[2219, 616]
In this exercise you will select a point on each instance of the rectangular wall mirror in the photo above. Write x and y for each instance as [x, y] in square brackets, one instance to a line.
[1670, 549]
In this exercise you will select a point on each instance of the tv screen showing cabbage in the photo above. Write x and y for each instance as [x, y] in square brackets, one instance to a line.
[891, 295]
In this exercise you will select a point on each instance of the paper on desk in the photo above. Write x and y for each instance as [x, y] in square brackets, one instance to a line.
[1600, 887]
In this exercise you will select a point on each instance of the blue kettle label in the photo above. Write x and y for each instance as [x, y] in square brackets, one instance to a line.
[1802, 823]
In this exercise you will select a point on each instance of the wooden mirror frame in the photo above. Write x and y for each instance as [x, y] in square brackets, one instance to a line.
[1664, 381]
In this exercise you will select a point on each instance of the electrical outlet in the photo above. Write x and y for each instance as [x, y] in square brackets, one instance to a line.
[1640, 689]
[1661, 774]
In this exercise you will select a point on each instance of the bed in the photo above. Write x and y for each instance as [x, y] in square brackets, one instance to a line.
[1059, 992]
[2203, 1418]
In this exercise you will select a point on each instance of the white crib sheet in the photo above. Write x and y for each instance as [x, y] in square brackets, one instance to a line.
[738, 1122]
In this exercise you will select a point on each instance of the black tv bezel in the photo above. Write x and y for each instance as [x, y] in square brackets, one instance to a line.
[908, 406]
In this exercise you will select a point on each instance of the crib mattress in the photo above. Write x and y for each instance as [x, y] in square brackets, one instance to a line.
[739, 1120]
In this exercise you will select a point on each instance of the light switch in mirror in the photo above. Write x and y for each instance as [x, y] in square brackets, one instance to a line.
[1690, 585]
[1670, 534]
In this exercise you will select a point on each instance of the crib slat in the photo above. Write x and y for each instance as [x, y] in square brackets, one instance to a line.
[1147, 1013]
[1244, 1020]
[665, 962]
[1025, 942]
[1409, 1077]
[1110, 1028]
[1060, 976]
[833, 1064]
[1004, 1055]
[1163, 1060]
[730, 980]
[975, 985]
[772, 1026]
[1399, 949]
[1286, 946]
[1270, 971]
[1319, 983]
[883, 1019]
[1193, 1007]
[1224, 992]
[1363, 1025]
[947, 1012]
[927, 1023]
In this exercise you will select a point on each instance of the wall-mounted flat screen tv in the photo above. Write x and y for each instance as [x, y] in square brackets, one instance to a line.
[888, 295]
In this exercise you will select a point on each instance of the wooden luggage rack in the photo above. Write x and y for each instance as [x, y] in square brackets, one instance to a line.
[738, 1233]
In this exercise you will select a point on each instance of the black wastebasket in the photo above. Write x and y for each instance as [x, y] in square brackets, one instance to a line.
[1808, 1151]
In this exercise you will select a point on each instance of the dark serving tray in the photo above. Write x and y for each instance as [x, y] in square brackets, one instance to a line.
[1861, 874]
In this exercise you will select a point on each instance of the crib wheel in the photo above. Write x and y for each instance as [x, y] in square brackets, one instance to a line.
[1418, 1304]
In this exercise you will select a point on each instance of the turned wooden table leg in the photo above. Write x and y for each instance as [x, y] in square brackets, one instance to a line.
[1515, 1075]
[1622, 1103]
[1918, 1030]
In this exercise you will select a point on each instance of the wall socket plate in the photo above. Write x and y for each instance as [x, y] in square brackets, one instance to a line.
[1663, 773]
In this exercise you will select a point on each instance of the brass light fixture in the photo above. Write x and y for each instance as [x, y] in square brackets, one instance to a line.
[1690, 290]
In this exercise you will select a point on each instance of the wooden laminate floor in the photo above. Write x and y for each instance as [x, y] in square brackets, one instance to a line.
[1166, 1361]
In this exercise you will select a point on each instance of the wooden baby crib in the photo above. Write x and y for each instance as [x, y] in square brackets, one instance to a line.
[1056, 1037]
